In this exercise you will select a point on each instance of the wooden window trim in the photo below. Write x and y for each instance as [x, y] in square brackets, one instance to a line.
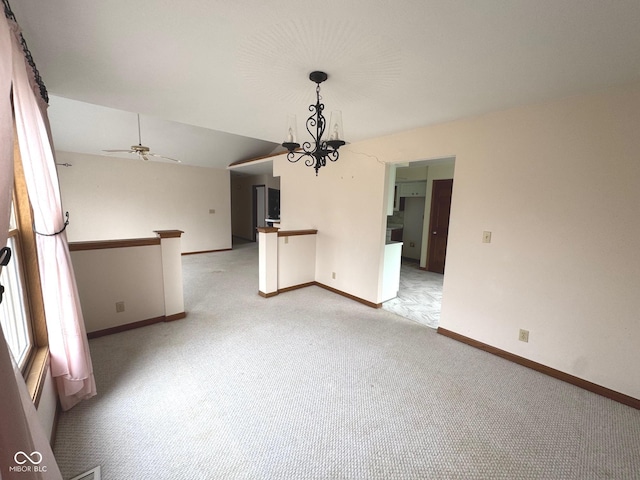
[36, 369]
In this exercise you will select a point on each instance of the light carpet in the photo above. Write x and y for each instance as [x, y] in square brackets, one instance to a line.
[311, 385]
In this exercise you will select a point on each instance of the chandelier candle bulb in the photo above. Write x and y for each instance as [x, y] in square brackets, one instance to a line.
[336, 125]
[334, 134]
[292, 133]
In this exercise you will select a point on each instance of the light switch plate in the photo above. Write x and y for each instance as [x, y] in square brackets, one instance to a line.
[486, 237]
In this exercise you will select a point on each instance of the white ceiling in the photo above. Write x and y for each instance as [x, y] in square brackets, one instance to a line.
[198, 68]
[87, 128]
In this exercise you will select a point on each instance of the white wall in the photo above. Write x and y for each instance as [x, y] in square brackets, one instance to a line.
[296, 260]
[132, 275]
[346, 204]
[114, 198]
[558, 185]
[48, 404]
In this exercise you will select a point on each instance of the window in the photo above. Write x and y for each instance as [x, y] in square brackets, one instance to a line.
[22, 309]
[14, 310]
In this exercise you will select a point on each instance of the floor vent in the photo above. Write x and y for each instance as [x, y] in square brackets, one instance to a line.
[93, 474]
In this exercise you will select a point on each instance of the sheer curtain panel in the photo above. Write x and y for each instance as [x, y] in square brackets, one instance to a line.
[70, 358]
[20, 429]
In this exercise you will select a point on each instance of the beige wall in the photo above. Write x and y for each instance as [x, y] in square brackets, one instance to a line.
[132, 275]
[346, 203]
[114, 198]
[556, 183]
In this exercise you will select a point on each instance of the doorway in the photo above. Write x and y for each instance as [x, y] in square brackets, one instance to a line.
[259, 209]
[420, 293]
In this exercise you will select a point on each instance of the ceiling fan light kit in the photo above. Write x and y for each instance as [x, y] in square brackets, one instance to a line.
[143, 152]
[319, 150]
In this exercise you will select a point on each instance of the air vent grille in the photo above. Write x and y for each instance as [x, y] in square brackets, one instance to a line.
[93, 474]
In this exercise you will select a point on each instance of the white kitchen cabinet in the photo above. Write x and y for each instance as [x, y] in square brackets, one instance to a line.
[412, 174]
[391, 272]
[413, 189]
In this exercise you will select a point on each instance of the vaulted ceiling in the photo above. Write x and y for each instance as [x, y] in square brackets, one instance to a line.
[215, 79]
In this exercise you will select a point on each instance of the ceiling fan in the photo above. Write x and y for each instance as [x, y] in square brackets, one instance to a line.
[140, 150]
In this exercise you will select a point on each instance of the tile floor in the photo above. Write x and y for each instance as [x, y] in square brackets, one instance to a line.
[420, 295]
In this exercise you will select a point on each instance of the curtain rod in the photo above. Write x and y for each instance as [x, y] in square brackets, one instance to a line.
[27, 53]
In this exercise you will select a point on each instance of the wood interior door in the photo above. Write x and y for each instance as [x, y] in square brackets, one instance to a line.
[439, 224]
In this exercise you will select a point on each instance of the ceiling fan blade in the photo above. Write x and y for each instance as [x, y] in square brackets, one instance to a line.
[167, 158]
[140, 150]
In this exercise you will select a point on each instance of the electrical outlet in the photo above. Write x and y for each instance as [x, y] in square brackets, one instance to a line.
[523, 336]
[486, 237]
[333, 275]
[286, 240]
[119, 307]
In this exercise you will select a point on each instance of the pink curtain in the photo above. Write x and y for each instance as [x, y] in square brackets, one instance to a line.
[6, 132]
[70, 358]
[20, 430]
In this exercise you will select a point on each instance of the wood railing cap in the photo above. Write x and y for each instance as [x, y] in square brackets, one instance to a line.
[292, 233]
[169, 233]
[101, 244]
[267, 229]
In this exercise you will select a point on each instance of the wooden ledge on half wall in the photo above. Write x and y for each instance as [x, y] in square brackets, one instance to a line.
[102, 244]
[293, 233]
[125, 242]
[267, 229]
[169, 233]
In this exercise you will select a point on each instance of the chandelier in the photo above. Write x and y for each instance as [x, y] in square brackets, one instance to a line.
[317, 151]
